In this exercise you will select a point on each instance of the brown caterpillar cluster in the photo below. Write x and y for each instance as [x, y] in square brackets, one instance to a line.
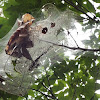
[19, 41]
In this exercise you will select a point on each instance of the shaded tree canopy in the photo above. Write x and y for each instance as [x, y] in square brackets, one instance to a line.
[71, 79]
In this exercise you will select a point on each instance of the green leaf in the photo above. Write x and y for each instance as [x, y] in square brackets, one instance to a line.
[98, 8]
[20, 98]
[97, 1]
[39, 98]
[89, 89]
[4, 27]
[31, 93]
[8, 75]
[14, 62]
[89, 6]
[58, 86]
[61, 96]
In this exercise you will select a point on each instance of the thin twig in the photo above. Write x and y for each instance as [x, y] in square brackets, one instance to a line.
[34, 63]
[44, 86]
[44, 94]
[72, 48]
[84, 8]
[74, 94]
[50, 88]
[73, 38]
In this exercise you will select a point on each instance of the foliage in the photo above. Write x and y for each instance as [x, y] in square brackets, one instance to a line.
[5, 96]
[69, 79]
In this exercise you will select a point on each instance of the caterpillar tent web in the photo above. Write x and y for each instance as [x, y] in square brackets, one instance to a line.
[19, 73]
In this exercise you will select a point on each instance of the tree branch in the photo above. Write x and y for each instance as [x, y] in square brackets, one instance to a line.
[50, 87]
[72, 48]
[73, 38]
[44, 94]
[49, 90]
[74, 94]
[79, 9]
[84, 8]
